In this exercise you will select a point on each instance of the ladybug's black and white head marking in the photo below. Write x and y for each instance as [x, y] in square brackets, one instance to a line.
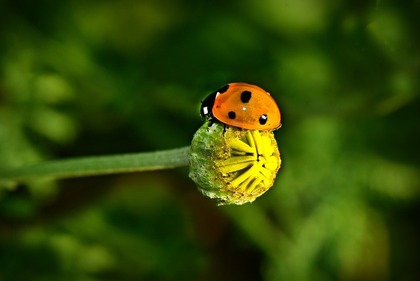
[207, 104]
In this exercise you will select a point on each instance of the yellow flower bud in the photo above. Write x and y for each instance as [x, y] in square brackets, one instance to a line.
[233, 165]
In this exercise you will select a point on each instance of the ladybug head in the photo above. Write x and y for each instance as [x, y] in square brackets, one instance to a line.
[206, 110]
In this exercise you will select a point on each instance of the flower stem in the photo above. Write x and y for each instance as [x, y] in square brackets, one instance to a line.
[98, 165]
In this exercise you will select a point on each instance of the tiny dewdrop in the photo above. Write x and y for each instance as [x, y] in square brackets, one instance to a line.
[233, 165]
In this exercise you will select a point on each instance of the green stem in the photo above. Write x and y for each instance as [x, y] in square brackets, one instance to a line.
[99, 165]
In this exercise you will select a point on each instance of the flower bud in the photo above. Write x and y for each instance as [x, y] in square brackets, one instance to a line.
[233, 165]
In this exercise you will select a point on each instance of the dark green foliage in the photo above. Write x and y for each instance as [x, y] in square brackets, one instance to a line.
[85, 78]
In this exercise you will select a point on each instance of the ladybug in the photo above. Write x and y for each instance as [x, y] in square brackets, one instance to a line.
[244, 106]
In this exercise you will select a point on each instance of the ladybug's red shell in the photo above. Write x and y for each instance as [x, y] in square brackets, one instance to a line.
[243, 105]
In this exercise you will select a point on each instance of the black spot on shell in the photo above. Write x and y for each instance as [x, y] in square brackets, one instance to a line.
[232, 115]
[245, 96]
[263, 119]
[223, 89]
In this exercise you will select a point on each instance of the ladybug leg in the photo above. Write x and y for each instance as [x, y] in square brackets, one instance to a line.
[211, 122]
[224, 128]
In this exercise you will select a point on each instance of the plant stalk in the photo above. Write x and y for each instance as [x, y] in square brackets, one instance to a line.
[98, 165]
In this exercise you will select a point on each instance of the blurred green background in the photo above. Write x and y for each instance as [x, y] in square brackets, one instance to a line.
[81, 78]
